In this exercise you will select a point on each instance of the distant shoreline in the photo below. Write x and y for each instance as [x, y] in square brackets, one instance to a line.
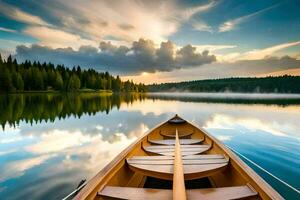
[229, 95]
[280, 84]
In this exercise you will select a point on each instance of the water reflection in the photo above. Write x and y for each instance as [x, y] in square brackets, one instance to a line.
[38, 107]
[73, 137]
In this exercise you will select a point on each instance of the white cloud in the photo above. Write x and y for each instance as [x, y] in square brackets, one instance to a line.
[228, 122]
[19, 15]
[7, 30]
[57, 140]
[232, 24]
[10, 139]
[213, 48]
[255, 54]
[262, 53]
[122, 21]
[188, 13]
[18, 168]
[202, 26]
[224, 137]
[56, 38]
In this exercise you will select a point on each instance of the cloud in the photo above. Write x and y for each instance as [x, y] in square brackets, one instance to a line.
[213, 48]
[256, 54]
[240, 68]
[189, 12]
[142, 56]
[232, 24]
[56, 141]
[9, 46]
[222, 121]
[18, 168]
[56, 38]
[262, 53]
[202, 26]
[97, 20]
[7, 30]
[19, 15]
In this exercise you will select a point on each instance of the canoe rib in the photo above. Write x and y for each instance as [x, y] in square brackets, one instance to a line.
[163, 169]
[179, 135]
[172, 142]
[224, 193]
[169, 150]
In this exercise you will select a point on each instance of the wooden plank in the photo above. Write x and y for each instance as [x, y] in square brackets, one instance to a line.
[166, 171]
[207, 156]
[224, 193]
[185, 153]
[135, 193]
[179, 135]
[181, 141]
[190, 157]
[152, 158]
[172, 150]
[181, 146]
[178, 176]
[171, 161]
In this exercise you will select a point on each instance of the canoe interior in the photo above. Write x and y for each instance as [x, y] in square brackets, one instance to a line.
[119, 173]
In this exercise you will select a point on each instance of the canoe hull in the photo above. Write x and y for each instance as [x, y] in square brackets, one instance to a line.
[119, 173]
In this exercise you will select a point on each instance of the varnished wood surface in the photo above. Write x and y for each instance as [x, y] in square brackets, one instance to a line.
[191, 171]
[190, 157]
[187, 146]
[170, 135]
[184, 151]
[171, 161]
[224, 193]
[178, 174]
[172, 141]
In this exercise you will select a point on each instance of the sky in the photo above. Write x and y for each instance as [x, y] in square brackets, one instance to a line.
[156, 41]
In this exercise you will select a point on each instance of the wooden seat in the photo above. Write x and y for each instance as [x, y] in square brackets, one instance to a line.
[224, 193]
[170, 135]
[193, 157]
[162, 166]
[169, 150]
[172, 142]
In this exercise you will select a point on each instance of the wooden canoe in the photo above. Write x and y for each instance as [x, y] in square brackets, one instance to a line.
[177, 160]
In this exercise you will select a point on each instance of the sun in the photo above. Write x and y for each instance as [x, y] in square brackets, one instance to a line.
[145, 73]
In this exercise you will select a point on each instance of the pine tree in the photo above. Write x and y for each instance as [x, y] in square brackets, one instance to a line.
[74, 83]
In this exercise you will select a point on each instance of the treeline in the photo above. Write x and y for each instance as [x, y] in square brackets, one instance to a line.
[35, 76]
[280, 84]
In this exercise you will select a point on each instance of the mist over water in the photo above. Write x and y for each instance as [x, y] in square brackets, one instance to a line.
[50, 142]
[228, 95]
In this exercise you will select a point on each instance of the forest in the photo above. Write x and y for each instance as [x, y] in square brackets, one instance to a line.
[279, 84]
[34, 76]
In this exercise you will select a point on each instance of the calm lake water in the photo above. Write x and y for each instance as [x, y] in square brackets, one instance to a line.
[50, 142]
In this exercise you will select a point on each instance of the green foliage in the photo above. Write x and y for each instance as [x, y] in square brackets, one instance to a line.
[74, 83]
[280, 84]
[35, 76]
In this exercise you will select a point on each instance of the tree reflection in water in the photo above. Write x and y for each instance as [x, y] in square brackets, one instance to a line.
[38, 107]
